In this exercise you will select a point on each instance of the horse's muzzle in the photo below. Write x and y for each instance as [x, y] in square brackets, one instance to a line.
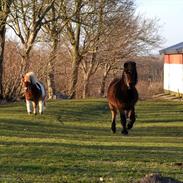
[25, 89]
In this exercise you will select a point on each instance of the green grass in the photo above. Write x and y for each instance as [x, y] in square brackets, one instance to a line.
[72, 142]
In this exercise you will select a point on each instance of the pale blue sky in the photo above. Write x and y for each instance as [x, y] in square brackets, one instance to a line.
[170, 14]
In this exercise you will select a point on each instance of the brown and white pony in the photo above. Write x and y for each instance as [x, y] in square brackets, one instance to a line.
[34, 93]
[122, 96]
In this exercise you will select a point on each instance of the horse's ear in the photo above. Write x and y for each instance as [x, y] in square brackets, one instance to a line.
[125, 65]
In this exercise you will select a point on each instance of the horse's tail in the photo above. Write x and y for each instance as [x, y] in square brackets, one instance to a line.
[43, 93]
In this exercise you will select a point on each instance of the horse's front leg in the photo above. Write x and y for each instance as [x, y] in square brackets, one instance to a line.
[34, 107]
[132, 118]
[113, 125]
[114, 113]
[28, 105]
[123, 122]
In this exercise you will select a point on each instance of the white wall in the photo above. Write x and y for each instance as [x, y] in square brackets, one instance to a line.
[173, 77]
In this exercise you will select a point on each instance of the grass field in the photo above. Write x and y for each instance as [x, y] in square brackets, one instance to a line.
[72, 142]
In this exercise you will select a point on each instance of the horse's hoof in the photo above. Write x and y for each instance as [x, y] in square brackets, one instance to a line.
[124, 132]
[129, 126]
[113, 130]
[29, 113]
[35, 114]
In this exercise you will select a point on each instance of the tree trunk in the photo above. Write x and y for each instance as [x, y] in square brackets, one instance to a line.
[51, 69]
[2, 42]
[102, 86]
[51, 80]
[76, 57]
[4, 11]
[74, 78]
[86, 85]
[25, 60]
[104, 78]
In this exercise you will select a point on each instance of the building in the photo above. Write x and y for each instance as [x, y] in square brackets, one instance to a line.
[173, 68]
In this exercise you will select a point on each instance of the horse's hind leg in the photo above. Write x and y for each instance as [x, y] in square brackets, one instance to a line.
[132, 118]
[114, 113]
[41, 107]
[123, 122]
[34, 107]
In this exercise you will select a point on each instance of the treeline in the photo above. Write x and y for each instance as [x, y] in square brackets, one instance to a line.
[74, 46]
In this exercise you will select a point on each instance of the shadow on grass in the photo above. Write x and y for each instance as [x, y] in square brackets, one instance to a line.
[44, 128]
[82, 113]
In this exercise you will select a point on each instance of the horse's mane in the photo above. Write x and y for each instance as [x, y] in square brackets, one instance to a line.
[30, 76]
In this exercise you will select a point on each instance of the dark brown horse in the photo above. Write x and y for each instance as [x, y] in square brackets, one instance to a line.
[122, 96]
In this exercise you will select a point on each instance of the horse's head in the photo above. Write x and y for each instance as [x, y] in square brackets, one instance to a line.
[26, 82]
[130, 74]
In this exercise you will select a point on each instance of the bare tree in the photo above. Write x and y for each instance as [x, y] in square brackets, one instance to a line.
[72, 32]
[26, 19]
[52, 32]
[92, 39]
[4, 11]
[89, 67]
[99, 36]
[79, 36]
[11, 70]
[83, 33]
[130, 35]
[112, 18]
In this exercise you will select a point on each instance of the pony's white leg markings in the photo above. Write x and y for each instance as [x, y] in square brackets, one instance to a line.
[41, 106]
[34, 108]
[28, 105]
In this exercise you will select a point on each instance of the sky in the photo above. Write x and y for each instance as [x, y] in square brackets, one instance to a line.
[170, 15]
